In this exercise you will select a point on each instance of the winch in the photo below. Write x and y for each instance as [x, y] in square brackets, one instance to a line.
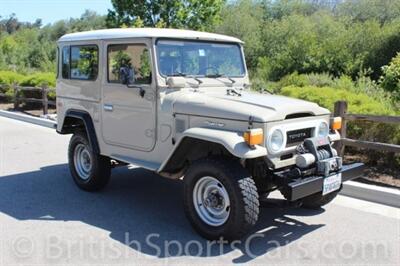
[318, 151]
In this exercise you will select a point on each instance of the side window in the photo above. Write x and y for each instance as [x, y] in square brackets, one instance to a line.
[133, 59]
[65, 62]
[84, 62]
[57, 62]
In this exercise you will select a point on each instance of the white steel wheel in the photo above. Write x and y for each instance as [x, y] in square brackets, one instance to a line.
[82, 161]
[220, 198]
[211, 201]
[90, 170]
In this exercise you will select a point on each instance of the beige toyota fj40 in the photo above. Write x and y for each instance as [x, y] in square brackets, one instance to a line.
[179, 103]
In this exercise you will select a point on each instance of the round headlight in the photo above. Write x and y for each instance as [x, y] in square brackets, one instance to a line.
[276, 140]
[323, 129]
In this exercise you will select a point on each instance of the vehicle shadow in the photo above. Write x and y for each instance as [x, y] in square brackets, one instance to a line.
[136, 205]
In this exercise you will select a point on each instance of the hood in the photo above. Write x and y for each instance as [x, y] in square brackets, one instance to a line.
[261, 107]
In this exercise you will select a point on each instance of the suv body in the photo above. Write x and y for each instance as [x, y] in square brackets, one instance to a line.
[178, 103]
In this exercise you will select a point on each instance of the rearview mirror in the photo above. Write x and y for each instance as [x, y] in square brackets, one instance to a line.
[176, 82]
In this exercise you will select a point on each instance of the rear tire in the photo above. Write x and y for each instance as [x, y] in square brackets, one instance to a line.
[220, 199]
[90, 171]
[316, 201]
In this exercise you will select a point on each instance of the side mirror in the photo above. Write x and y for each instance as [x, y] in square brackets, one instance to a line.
[176, 82]
[127, 78]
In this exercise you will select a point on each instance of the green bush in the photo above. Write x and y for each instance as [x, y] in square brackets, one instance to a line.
[319, 79]
[364, 85]
[38, 80]
[10, 77]
[294, 79]
[344, 83]
[390, 79]
[32, 80]
[358, 103]
[259, 84]
[312, 79]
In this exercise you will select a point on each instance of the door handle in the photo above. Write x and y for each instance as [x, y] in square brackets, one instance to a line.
[108, 107]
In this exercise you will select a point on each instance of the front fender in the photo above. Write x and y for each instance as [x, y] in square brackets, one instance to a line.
[232, 141]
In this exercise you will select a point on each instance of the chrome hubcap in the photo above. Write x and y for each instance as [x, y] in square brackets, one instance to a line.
[211, 201]
[82, 161]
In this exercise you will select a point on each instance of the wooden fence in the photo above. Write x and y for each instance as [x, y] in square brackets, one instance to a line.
[17, 98]
[341, 110]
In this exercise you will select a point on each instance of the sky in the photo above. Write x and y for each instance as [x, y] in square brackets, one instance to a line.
[51, 10]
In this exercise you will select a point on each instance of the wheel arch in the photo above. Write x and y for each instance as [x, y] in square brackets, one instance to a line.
[80, 120]
[197, 143]
[190, 149]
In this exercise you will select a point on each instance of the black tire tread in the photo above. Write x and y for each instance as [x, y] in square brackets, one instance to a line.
[101, 165]
[245, 187]
[250, 197]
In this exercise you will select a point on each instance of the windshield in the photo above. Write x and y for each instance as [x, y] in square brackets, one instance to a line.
[201, 59]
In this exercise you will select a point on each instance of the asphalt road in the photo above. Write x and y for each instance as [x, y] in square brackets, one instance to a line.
[138, 219]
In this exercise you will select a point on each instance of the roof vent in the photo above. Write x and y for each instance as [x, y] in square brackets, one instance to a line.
[298, 115]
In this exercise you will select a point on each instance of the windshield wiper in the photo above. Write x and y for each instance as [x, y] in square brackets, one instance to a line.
[233, 91]
[218, 75]
[266, 90]
[177, 74]
[180, 74]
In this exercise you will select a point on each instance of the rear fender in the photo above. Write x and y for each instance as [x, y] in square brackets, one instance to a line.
[74, 119]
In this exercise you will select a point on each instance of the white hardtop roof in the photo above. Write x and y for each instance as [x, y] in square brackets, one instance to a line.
[145, 33]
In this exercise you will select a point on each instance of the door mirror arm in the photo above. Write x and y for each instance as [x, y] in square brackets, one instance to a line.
[142, 92]
[126, 77]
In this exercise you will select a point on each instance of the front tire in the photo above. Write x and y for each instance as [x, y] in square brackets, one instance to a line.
[220, 199]
[90, 171]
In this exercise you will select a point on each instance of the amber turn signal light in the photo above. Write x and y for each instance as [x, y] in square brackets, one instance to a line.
[336, 123]
[254, 136]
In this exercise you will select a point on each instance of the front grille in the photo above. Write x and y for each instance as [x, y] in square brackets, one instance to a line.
[299, 135]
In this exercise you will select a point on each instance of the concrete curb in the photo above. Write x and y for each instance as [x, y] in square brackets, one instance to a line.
[377, 194]
[30, 119]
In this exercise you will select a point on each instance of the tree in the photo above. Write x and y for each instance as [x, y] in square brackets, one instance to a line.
[191, 14]
[36, 57]
[390, 80]
[10, 25]
[38, 23]
[244, 20]
[363, 10]
[89, 20]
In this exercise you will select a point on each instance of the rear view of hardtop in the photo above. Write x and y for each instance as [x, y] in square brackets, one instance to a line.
[180, 103]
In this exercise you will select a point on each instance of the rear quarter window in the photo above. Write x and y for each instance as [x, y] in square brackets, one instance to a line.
[84, 62]
[65, 62]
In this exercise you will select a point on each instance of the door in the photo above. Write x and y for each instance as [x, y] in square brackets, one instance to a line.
[129, 112]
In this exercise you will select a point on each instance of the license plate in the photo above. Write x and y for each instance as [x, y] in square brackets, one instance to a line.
[332, 183]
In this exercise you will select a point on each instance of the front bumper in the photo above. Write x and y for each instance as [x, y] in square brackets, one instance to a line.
[301, 188]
